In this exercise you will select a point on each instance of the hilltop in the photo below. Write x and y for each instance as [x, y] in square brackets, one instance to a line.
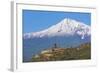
[57, 54]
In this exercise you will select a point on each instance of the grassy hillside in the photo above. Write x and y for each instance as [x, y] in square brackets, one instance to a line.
[57, 54]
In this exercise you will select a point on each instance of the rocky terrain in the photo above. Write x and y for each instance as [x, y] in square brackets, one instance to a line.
[57, 54]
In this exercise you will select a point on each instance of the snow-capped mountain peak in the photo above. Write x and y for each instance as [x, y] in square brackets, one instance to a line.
[66, 27]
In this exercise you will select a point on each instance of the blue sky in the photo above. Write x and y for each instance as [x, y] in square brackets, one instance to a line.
[34, 20]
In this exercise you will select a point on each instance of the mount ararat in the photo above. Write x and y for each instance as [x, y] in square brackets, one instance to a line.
[66, 33]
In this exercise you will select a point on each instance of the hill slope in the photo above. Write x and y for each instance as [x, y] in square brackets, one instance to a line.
[57, 54]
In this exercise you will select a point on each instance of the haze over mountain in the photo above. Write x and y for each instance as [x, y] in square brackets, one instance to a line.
[66, 33]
